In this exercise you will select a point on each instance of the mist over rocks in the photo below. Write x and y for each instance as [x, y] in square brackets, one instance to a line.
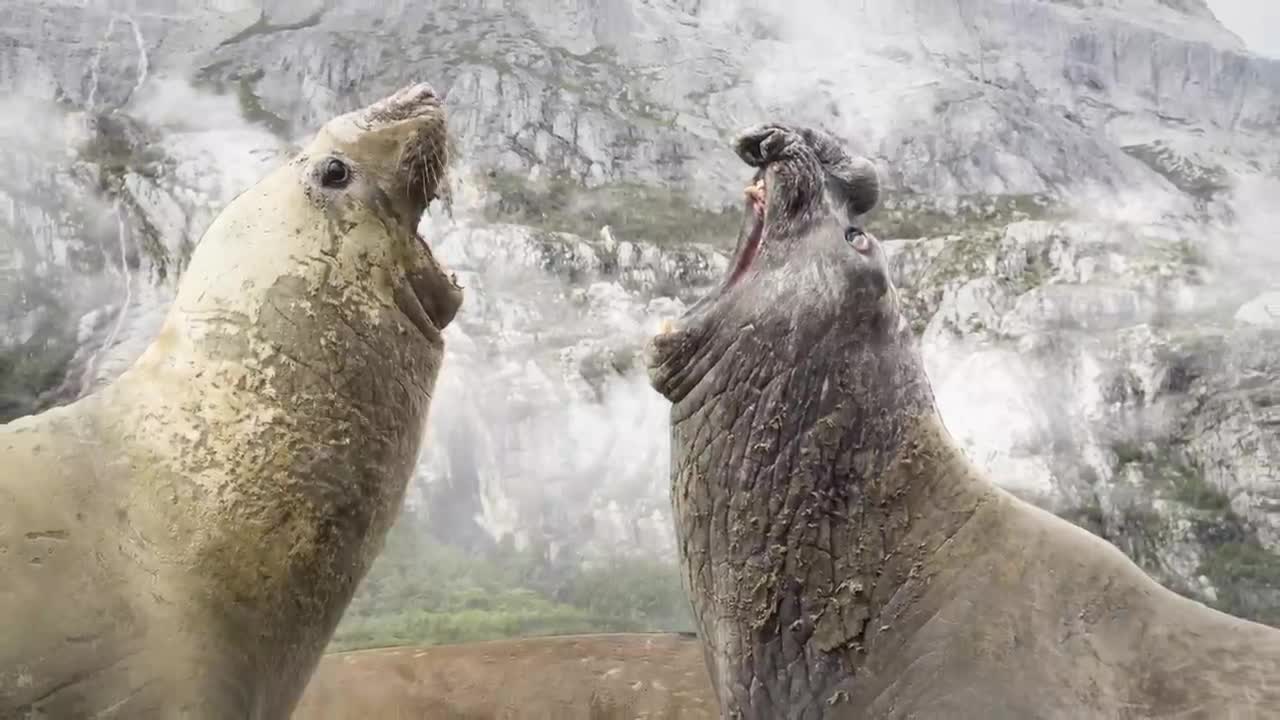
[1078, 195]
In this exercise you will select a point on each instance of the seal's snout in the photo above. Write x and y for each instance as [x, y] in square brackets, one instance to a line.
[407, 103]
[417, 92]
[401, 140]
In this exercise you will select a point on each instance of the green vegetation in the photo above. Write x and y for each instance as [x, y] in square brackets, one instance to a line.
[1246, 560]
[1177, 478]
[908, 215]
[423, 592]
[1190, 489]
[965, 240]
[1191, 253]
[121, 147]
[1244, 573]
[1247, 578]
[118, 147]
[961, 258]
[251, 106]
[244, 83]
[1128, 452]
[1141, 532]
[634, 211]
[31, 369]
[1088, 516]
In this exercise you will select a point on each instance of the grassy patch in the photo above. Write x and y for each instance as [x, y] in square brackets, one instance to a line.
[30, 369]
[960, 259]
[423, 592]
[511, 613]
[913, 215]
[1088, 516]
[1176, 477]
[635, 211]
[1244, 573]
[1128, 452]
[1141, 533]
[1247, 578]
[1247, 561]
[1191, 489]
[120, 146]
[974, 229]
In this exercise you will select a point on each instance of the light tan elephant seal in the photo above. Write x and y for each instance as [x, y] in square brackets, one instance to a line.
[844, 558]
[182, 543]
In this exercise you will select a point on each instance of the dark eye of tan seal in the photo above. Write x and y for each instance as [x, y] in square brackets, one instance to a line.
[183, 543]
[844, 558]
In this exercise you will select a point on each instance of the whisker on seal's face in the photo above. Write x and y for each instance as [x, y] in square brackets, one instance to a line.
[374, 172]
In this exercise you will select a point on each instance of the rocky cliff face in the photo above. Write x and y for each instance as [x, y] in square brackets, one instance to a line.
[1080, 202]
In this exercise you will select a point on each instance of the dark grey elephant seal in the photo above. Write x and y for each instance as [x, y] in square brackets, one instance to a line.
[844, 558]
[182, 543]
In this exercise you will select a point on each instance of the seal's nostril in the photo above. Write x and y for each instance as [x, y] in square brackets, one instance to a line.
[419, 93]
[408, 102]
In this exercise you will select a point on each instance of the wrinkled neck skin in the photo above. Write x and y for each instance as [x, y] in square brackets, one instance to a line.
[802, 422]
[275, 421]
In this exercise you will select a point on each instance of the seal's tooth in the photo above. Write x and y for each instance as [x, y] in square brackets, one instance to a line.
[666, 326]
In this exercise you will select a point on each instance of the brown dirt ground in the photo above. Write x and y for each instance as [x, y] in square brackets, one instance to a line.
[575, 677]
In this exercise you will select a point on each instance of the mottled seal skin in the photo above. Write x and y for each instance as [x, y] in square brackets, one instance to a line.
[843, 557]
[182, 543]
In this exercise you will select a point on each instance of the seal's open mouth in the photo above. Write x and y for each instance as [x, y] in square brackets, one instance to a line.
[755, 199]
[429, 297]
[409, 129]
[749, 245]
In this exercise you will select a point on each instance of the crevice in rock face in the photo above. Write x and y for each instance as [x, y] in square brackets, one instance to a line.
[1203, 183]
[264, 27]
[220, 78]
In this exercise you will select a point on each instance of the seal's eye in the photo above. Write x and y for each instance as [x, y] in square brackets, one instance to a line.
[336, 174]
[859, 239]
